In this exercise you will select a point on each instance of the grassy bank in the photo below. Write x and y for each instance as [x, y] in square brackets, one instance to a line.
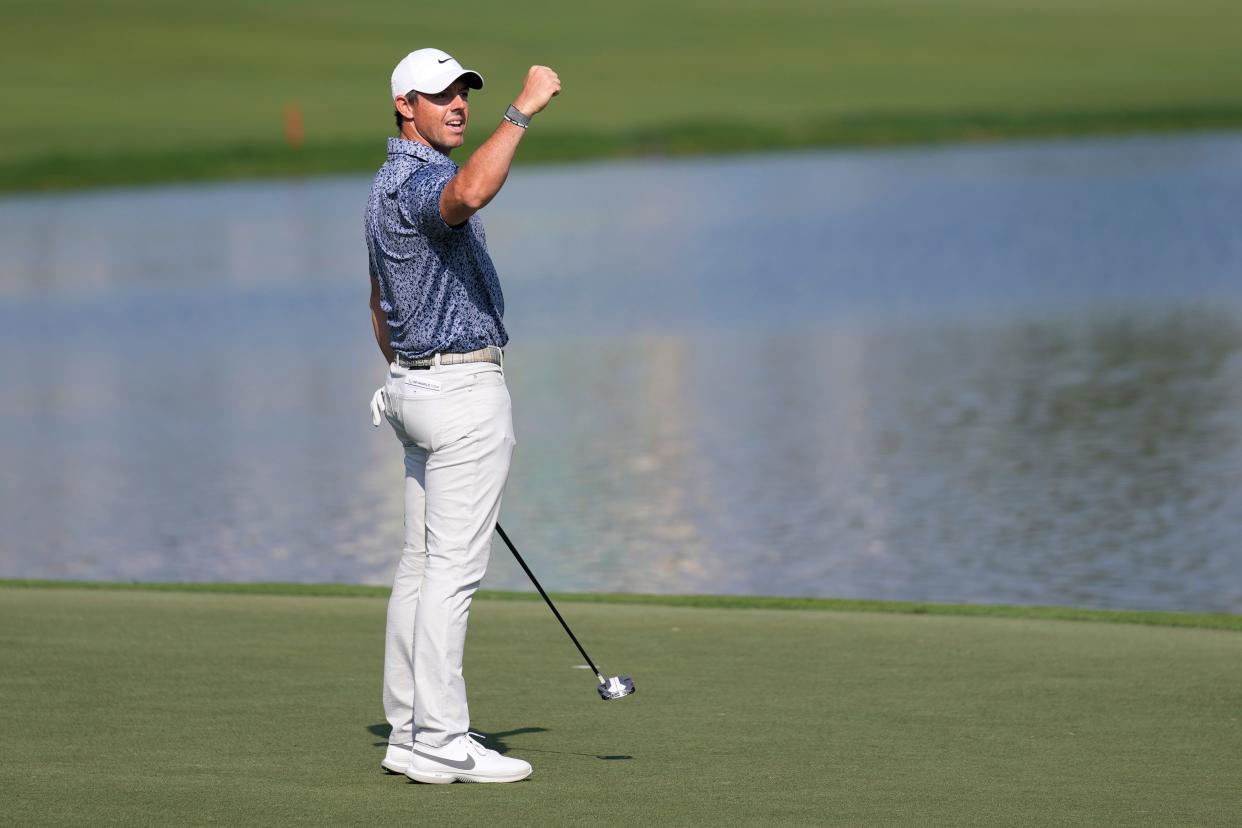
[1204, 620]
[70, 171]
[132, 707]
[131, 92]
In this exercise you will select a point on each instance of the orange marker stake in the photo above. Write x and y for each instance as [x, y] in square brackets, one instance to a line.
[295, 133]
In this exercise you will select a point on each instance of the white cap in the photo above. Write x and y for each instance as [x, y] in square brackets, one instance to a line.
[430, 71]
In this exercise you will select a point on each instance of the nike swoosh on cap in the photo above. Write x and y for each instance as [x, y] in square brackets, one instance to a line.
[466, 764]
[446, 60]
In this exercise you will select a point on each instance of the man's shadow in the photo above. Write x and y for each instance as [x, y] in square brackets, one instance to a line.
[496, 741]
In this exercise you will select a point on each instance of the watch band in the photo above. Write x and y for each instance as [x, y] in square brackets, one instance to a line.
[514, 116]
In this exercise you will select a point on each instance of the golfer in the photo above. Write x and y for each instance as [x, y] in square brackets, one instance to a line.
[436, 308]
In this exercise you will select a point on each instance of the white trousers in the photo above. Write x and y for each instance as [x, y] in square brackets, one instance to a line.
[455, 423]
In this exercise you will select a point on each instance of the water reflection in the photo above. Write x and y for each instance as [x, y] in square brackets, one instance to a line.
[996, 374]
[1094, 454]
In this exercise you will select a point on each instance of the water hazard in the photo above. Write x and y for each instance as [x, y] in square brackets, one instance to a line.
[989, 374]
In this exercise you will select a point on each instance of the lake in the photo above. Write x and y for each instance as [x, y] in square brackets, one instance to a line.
[994, 373]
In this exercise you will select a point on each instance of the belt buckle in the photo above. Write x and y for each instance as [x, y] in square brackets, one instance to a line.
[409, 363]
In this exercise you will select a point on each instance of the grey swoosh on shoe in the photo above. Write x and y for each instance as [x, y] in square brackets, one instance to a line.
[466, 764]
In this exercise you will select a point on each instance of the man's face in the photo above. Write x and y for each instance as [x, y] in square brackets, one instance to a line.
[441, 118]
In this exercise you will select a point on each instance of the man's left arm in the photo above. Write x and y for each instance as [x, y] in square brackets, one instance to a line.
[484, 173]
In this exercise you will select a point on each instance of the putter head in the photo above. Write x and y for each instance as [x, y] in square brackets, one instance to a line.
[616, 687]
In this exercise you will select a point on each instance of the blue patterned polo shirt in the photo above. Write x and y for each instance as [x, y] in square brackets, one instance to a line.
[437, 284]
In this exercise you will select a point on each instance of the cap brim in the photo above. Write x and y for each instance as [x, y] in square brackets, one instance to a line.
[441, 82]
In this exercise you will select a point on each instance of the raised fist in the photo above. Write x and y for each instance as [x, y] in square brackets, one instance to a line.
[542, 85]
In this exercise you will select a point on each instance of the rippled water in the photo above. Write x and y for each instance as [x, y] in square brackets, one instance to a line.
[995, 374]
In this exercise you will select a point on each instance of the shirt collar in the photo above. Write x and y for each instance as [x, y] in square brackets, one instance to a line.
[404, 146]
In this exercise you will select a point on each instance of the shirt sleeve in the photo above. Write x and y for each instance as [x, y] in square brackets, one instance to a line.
[419, 199]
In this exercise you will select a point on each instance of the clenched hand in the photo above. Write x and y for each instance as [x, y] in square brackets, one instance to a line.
[542, 85]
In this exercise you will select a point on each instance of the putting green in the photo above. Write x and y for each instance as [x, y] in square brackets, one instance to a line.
[142, 707]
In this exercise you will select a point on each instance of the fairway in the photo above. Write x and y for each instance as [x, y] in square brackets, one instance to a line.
[165, 708]
[132, 91]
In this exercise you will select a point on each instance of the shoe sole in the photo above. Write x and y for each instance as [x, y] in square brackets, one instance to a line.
[435, 778]
[393, 770]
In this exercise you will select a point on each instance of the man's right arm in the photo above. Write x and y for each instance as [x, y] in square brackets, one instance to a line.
[484, 174]
[379, 322]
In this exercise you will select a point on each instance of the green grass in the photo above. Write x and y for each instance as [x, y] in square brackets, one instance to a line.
[135, 90]
[1205, 620]
[129, 707]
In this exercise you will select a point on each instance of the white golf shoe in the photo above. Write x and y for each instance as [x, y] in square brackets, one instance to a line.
[463, 760]
[397, 759]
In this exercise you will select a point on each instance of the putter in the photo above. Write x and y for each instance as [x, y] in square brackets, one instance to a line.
[610, 688]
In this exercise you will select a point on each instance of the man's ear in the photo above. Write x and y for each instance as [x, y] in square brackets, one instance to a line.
[404, 107]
